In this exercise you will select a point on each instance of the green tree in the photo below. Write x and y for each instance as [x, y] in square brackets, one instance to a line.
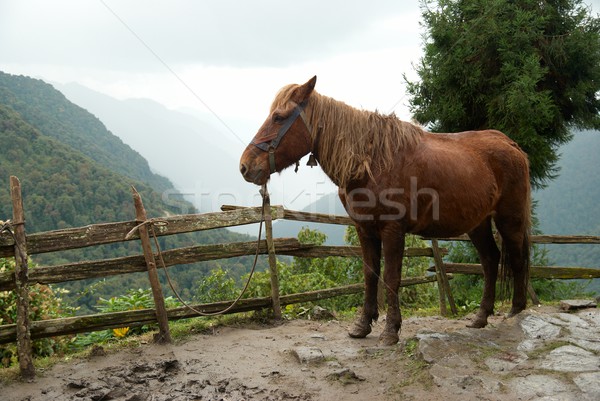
[529, 68]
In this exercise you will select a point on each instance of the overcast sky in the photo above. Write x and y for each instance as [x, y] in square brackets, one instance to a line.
[228, 55]
[225, 58]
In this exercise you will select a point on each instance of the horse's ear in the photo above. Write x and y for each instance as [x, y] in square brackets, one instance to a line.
[303, 91]
[311, 83]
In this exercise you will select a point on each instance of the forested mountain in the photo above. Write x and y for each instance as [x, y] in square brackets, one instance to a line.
[74, 172]
[328, 204]
[54, 116]
[569, 205]
[185, 148]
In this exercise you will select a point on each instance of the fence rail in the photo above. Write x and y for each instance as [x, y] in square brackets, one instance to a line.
[106, 233]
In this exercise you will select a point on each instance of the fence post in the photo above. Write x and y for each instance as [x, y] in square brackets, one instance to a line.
[164, 335]
[272, 257]
[443, 284]
[21, 282]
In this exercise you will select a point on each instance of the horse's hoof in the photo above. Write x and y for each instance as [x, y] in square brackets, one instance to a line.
[514, 311]
[359, 330]
[480, 321]
[387, 338]
[477, 324]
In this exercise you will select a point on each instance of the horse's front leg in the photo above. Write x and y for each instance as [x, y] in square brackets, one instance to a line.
[371, 251]
[393, 251]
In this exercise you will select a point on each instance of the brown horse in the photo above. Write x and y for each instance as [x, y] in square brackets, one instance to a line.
[395, 178]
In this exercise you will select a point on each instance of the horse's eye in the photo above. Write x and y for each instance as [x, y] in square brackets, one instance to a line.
[278, 118]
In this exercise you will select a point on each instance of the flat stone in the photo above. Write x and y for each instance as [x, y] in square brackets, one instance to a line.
[539, 386]
[308, 355]
[505, 362]
[572, 320]
[506, 351]
[590, 315]
[536, 327]
[433, 346]
[530, 345]
[317, 336]
[573, 304]
[590, 345]
[570, 358]
[589, 384]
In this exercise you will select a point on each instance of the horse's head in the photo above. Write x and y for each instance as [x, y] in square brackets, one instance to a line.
[283, 138]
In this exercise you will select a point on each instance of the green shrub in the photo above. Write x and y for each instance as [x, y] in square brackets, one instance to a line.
[217, 286]
[45, 302]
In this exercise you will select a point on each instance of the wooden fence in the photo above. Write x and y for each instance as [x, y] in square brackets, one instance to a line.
[14, 242]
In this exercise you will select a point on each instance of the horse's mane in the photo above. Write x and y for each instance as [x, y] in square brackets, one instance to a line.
[352, 143]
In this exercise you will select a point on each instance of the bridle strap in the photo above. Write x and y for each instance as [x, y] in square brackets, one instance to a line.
[265, 143]
[269, 144]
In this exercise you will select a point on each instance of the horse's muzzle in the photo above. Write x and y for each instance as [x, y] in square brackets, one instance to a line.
[255, 176]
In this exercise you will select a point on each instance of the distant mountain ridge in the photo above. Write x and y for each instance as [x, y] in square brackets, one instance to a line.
[198, 157]
[327, 204]
[569, 205]
[74, 171]
[67, 181]
[49, 111]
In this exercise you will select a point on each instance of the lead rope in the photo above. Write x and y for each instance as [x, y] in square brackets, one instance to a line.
[150, 223]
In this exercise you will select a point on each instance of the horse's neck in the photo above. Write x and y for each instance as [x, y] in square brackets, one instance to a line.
[330, 141]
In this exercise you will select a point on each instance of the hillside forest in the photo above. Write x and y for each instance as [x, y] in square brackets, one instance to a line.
[74, 172]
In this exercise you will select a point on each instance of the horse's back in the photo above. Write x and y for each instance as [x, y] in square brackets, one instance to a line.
[492, 148]
[474, 174]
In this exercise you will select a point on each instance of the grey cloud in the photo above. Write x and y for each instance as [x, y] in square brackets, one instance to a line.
[236, 33]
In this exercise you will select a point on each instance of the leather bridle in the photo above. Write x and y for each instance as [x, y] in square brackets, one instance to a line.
[270, 143]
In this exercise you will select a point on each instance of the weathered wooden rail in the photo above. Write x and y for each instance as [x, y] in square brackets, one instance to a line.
[106, 233]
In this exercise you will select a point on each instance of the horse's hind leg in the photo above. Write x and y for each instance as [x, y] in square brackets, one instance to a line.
[371, 251]
[489, 255]
[515, 248]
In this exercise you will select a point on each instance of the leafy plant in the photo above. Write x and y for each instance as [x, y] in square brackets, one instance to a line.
[45, 303]
[133, 299]
[217, 286]
[309, 274]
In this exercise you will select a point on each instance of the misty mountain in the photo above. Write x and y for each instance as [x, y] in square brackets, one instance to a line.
[569, 205]
[198, 157]
[74, 172]
[48, 111]
[328, 204]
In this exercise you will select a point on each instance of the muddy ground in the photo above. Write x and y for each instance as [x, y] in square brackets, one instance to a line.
[436, 359]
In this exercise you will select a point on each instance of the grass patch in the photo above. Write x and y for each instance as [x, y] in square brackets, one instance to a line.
[546, 348]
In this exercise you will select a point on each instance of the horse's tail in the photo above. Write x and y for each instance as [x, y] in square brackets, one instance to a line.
[506, 266]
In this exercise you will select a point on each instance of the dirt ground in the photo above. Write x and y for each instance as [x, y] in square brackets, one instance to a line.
[294, 360]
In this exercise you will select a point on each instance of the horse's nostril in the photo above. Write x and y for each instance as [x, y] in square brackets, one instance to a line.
[243, 168]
